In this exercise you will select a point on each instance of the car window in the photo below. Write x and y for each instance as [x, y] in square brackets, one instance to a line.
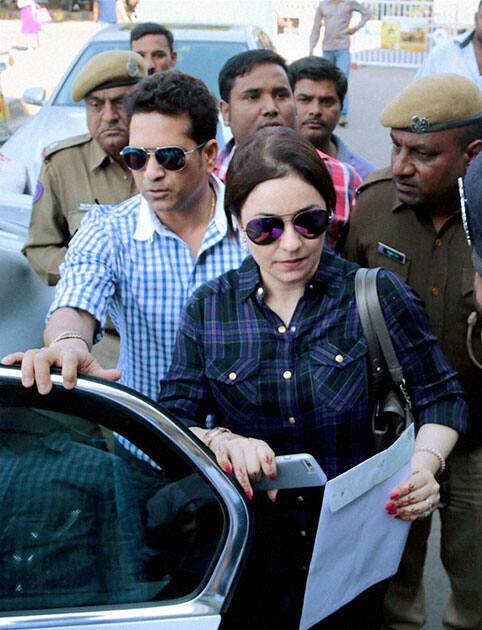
[203, 59]
[93, 515]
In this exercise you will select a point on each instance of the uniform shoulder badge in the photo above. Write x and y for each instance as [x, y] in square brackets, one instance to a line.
[59, 145]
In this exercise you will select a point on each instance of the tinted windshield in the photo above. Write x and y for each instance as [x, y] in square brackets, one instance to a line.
[201, 59]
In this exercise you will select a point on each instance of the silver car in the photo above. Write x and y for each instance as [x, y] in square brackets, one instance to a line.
[24, 298]
[201, 51]
[112, 514]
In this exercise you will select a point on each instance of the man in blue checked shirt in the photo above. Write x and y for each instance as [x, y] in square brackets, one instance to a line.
[140, 260]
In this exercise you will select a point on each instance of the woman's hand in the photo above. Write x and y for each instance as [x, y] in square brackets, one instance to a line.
[247, 458]
[415, 498]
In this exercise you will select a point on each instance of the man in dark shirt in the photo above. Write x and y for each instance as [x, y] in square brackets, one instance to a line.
[319, 88]
[408, 220]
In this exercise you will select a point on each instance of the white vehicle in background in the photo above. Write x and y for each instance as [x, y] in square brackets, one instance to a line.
[202, 51]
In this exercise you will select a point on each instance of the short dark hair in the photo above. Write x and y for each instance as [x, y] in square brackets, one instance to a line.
[467, 134]
[318, 69]
[173, 93]
[152, 28]
[241, 64]
[272, 153]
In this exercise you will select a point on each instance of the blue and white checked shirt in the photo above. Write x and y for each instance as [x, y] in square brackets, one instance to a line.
[125, 263]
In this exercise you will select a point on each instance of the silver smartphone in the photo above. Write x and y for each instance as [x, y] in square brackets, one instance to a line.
[300, 470]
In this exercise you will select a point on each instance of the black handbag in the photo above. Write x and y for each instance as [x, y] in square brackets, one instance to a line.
[392, 410]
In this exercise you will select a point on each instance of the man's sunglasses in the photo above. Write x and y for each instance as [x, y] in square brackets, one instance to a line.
[170, 158]
[309, 223]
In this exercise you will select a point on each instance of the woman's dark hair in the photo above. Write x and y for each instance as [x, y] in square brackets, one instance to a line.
[174, 93]
[272, 153]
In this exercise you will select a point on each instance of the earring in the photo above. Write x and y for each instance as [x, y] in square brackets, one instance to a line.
[244, 245]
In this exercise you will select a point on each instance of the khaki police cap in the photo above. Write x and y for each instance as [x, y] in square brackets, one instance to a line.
[113, 68]
[435, 103]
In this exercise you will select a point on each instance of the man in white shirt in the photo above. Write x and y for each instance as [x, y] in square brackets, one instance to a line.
[461, 55]
[141, 259]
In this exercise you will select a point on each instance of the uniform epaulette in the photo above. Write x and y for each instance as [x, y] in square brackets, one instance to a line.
[67, 143]
[382, 174]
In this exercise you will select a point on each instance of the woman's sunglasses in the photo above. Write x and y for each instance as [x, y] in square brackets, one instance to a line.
[310, 223]
[170, 158]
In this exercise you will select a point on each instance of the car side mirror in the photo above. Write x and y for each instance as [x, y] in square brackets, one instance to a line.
[34, 96]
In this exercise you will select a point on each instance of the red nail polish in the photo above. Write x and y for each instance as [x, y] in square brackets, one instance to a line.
[390, 506]
[228, 470]
[399, 518]
[272, 477]
[394, 496]
[249, 494]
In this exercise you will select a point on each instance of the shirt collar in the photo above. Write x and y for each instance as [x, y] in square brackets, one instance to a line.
[328, 277]
[463, 40]
[148, 224]
[97, 156]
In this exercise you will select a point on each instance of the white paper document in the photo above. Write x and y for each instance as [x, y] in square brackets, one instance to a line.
[357, 543]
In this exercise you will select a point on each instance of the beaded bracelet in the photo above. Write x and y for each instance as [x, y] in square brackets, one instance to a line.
[437, 454]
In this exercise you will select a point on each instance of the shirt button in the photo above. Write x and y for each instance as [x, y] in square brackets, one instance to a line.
[302, 533]
[339, 358]
[292, 420]
[232, 376]
[300, 499]
[260, 291]
[281, 329]
[438, 242]
[287, 375]
[435, 292]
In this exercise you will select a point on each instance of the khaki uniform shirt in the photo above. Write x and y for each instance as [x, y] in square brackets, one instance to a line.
[75, 173]
[383, 232]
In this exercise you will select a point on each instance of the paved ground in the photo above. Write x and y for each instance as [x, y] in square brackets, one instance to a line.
[371, 88]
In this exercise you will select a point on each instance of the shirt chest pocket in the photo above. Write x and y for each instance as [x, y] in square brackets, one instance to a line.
[339, 373]
[235, 379]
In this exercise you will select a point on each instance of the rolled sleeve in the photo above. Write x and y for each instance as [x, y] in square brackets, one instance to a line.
[87, 275]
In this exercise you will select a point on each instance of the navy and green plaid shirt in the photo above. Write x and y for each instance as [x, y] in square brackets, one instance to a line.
[303, 387]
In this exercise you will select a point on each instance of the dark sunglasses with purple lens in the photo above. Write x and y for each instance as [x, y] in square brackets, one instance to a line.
[310, 223]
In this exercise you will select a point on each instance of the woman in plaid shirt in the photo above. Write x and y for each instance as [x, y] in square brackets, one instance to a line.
[275, 352]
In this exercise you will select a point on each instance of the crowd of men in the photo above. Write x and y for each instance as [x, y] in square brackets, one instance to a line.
[129, 219]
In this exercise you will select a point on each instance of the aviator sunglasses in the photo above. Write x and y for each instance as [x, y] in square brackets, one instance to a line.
[170, 158]
[309, 223]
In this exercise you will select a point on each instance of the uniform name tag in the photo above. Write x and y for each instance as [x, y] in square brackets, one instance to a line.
[84, 207]
[392, 253]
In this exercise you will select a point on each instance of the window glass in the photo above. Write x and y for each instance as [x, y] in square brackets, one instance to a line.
[90, 516]
[200, 59]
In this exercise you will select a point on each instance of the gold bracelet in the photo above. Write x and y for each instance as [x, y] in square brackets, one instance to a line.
[69, 334]
[209, 436]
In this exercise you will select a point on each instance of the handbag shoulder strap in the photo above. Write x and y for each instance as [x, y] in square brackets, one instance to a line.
[375, 329]
[361, 296]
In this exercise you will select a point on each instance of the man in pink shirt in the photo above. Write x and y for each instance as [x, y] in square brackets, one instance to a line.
[256, 93]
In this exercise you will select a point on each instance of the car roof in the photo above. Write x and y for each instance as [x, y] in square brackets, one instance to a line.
[196, 32]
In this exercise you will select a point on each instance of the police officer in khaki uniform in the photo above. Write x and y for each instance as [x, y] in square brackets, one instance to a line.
[408, 220]
[87, 169]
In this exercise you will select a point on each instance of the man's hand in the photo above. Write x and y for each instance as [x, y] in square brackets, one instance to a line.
[71, 356]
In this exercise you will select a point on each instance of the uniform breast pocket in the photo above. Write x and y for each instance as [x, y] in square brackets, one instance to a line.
[76, 215]
[389, 257]
[235, 384]
[339, 373]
